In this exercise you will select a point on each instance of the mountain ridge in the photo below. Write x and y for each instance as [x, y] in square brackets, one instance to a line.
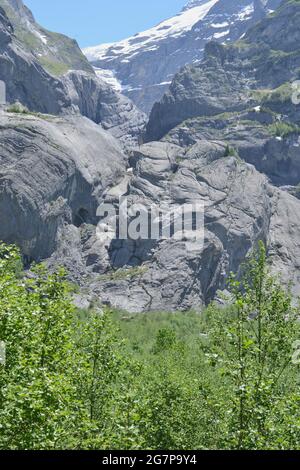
[267, 57]
[143, 65]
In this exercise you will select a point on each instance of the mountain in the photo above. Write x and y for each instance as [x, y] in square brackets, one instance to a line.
[143, 65]
[48, 73]
[225, 135]
[51, 189]
[258, 70]
[55, 52]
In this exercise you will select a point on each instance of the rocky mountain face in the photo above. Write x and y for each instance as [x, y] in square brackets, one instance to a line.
[98, 101]
[51, 189]
[256, 71]
[257, 136]
[54, 171]
[225, 135]
[241, 208]
[49, 89]
[55, 52]
[143, 66]
[242, 94]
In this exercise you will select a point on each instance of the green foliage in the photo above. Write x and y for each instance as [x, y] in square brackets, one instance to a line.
[253, 348]
[18, 108]
[165, 340]
[53, 66]
[230, 152]
[110, 380]
[283, 129]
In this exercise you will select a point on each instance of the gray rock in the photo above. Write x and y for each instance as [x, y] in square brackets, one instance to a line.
[241, 209]
[93, 98]
[251, 135]
[56, 172]
[53, 173]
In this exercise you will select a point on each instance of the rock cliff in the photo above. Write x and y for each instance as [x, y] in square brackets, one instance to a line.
[46, 89]
[226, 135]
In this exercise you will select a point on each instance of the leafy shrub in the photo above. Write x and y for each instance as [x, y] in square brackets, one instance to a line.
[18, 108]
[283, 129]
[230, 151]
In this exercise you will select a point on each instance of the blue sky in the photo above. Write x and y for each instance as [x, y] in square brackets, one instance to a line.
[93, 22]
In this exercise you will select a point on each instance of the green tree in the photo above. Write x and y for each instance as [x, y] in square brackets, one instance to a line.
[102, 366]
[252, 347]
[54, 381]
[39, 406]
[224, 379]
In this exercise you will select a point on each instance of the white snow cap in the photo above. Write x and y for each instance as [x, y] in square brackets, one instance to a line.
[193, 3]
[150, 39]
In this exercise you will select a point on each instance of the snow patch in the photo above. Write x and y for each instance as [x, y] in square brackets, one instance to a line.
[109, 77]
[220, 35]
[246, 12]
[220, 25]
[41, 36]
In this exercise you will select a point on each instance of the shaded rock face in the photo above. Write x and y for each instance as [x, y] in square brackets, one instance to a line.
[145, 64]
[227, 77]
[100, 103]
[53, 173]
[56, 172]
[75, 92]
